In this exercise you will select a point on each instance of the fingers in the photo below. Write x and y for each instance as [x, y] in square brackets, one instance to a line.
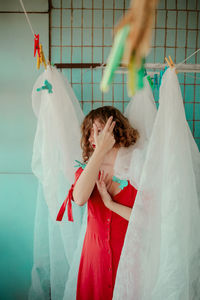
[112, 126]
[103, 184]
[108, 123]
[103, 176]
[100, 182]
[109, 184]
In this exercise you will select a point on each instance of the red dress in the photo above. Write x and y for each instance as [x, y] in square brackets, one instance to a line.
[102, 245]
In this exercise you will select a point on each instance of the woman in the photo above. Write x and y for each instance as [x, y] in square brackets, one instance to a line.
[109, 200]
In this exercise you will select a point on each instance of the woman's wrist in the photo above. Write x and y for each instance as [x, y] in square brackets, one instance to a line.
[120, 209]
[99, 153]
[107, 199]
[110, 204]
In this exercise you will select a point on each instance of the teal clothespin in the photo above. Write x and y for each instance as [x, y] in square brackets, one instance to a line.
[155, 81]
[80, 164]
[123, 183]
[161, 76]
[47, 86]
[135, 77]
[141, 71]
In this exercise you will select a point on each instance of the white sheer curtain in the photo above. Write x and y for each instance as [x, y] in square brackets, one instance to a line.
[56, 146]
[161, 254]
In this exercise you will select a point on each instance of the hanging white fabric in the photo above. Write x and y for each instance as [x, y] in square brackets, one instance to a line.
[141, 112]
[161, 254]
[58, 132]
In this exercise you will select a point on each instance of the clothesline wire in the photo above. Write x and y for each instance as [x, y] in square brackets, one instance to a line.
[120, 71]
[158, 73]
[26, 15]
[188, 57]
[104, 64]
[151, 73]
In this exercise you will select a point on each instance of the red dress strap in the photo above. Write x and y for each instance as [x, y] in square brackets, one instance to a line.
[68, 202]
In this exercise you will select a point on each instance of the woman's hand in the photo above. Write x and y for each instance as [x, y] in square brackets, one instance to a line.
[105, 140]
[103, 185]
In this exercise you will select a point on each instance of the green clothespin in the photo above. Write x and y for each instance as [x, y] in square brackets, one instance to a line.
[47, 86]
[140, 73]
[150, 81]
[114, 58]
[123, 183]
[145, 72]
[135, 77]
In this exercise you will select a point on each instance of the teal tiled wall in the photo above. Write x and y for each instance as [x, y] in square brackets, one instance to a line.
[81, 32]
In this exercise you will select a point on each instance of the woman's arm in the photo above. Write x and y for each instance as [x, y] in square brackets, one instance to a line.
[85, 184]
[121, 210]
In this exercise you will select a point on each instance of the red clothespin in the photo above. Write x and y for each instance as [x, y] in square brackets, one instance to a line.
[36, 44]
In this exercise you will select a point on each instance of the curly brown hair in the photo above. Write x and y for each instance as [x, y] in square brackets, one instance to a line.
[124, 134]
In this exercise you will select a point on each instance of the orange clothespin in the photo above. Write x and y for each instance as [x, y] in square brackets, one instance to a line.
[170, 63]
[41, 58]
[49, 64]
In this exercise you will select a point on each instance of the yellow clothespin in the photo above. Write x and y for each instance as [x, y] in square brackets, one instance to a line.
[170, 63]
[41, 58]
[132, 72]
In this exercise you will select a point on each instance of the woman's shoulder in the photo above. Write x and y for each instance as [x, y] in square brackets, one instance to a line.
[80, 164]
[80, 167]
[122, 182]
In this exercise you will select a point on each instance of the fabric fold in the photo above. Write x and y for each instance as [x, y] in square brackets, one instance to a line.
[161, 254]
[69, 207]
